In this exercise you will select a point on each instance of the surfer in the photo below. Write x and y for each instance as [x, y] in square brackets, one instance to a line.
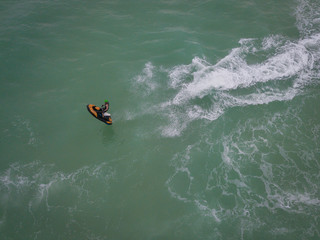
[105, 108]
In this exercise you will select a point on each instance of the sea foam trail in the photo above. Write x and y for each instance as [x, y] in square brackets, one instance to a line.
[233, 82]
[259, 71]
[233, 71]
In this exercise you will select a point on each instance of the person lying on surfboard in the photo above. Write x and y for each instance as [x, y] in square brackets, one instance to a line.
[105, 108]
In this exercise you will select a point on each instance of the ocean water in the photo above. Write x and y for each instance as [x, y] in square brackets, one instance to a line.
[216, 119]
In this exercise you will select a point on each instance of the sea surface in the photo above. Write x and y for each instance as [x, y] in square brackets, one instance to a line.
[216, 120]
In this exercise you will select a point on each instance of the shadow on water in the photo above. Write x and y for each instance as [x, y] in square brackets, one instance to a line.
[108, 134]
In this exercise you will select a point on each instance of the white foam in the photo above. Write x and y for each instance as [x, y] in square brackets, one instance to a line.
[243, 147]
[303, 198]
[24, 128]
[225, 155]
[234, 72]
[259, 143]
[145, 79]
[307, 17]
[176, 126]
[41, 181]
[272, 41]
[179, 74]
[175, 192]
[208, 211]
[261, 98]
[292, 62]
[279, 71]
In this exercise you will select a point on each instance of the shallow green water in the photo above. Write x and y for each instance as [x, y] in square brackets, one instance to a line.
[215, 109]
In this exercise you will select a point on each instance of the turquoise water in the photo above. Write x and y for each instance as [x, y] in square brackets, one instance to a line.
[216, 121]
